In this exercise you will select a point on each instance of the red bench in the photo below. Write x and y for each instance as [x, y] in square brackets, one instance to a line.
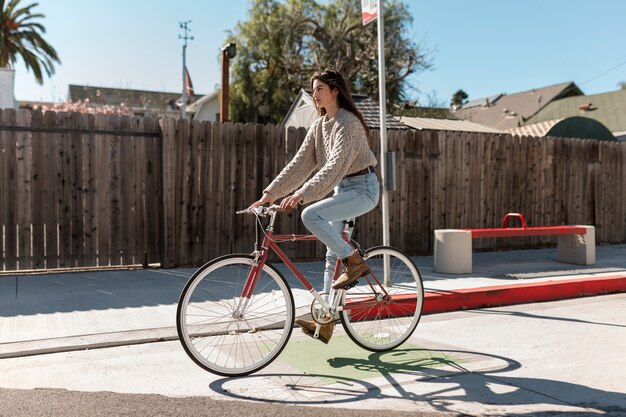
[453, 247]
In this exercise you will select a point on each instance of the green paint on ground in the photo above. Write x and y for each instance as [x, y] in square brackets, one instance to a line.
[343, 358]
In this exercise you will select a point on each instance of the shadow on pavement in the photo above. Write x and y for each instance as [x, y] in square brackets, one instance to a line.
[440, 378]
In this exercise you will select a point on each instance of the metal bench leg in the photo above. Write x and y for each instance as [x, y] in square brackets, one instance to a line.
[453, 251]
[578, 249]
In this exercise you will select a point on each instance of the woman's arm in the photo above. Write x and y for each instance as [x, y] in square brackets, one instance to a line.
[298, 169]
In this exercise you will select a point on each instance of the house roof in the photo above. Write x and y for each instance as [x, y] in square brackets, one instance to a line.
[607, 108]
[368, 108]
[371, 113]
[506, 111]
[193, 107]
[133, 99]
[425, 123]
[535, 129]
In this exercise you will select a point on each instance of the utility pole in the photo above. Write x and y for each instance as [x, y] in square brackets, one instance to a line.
[185, 37]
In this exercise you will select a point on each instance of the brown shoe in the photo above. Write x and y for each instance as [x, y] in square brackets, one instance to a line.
[355, 267]
[308, 328]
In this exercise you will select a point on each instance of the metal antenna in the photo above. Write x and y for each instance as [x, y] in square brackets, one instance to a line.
[185, 37]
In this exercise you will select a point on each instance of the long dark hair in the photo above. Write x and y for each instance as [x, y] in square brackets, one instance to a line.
[334, 79]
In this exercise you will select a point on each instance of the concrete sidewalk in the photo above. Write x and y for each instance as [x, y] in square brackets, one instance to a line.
[86, 310]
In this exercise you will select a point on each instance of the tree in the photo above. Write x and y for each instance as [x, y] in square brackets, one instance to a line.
[459, 98]
[282, 43]
[21, 35]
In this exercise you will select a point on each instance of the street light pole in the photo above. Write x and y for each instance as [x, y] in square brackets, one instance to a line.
[228, 51]
[185, 38]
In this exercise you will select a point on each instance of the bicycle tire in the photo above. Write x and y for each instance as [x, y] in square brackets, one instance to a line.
[218, 336]
[379, 323]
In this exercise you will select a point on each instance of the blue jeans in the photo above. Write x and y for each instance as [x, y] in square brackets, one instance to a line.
[353, 196]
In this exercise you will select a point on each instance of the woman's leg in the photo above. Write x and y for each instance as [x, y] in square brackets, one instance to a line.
[331, 258]
[353, 197]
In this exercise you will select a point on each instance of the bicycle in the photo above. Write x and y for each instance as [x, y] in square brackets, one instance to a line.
[236, 313]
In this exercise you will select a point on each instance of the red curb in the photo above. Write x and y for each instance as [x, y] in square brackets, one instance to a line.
[441, 302]
[501, 295]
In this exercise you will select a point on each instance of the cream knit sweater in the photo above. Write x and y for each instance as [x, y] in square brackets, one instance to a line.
[336, 147]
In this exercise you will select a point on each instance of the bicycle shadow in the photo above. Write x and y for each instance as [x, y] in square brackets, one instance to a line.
[440, 378]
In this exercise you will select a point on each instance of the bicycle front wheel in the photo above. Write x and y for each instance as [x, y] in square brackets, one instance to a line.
[226, 333]
[383, 309]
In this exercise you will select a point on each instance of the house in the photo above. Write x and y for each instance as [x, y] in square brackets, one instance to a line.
[140, 102]
[426, 123]
[206, 108]
[607, 108]
[303, 112]
[507, 111]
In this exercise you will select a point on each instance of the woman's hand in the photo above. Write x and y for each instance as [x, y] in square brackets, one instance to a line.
[266, 198]
[289, 203]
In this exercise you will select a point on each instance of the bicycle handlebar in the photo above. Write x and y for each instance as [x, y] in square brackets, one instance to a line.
[264, 211]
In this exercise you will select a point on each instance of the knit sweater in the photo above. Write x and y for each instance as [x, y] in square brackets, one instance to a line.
[336, 147]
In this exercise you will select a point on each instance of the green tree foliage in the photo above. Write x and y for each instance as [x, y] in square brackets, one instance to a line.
[282, 43]
[459, 98]
[20, 35]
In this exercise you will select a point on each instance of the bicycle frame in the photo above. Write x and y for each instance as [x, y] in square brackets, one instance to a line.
[270, 242]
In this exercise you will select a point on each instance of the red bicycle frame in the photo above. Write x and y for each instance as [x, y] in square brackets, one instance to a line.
[270, 241]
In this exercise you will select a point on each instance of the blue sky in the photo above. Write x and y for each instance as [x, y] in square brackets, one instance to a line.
[482, 46]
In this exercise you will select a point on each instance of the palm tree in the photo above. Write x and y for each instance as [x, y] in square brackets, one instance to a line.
[20, 34]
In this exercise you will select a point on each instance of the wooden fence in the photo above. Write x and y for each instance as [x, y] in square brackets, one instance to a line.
[79, 190]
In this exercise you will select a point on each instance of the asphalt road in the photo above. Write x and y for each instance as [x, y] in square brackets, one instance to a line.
[556, 358]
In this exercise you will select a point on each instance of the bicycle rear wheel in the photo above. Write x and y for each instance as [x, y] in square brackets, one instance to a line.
[225, 333]
[381, 312]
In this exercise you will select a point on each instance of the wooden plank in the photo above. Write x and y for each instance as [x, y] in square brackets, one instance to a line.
[38, 178]
[10, 191]
[129, 191]
[218, 196]
[64, 193]
[103, 184]
[198, 193]
[89, 186]
[210, 162]
[150, 178]
[186, 186]
[50, 144]
[168, 126]
[76, 172]
[23, 196]
[115, 189]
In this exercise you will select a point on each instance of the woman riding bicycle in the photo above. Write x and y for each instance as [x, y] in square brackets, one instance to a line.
[336, 147]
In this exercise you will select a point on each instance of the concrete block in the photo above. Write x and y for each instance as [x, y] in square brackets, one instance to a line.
[453, 251]
[577, 249]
